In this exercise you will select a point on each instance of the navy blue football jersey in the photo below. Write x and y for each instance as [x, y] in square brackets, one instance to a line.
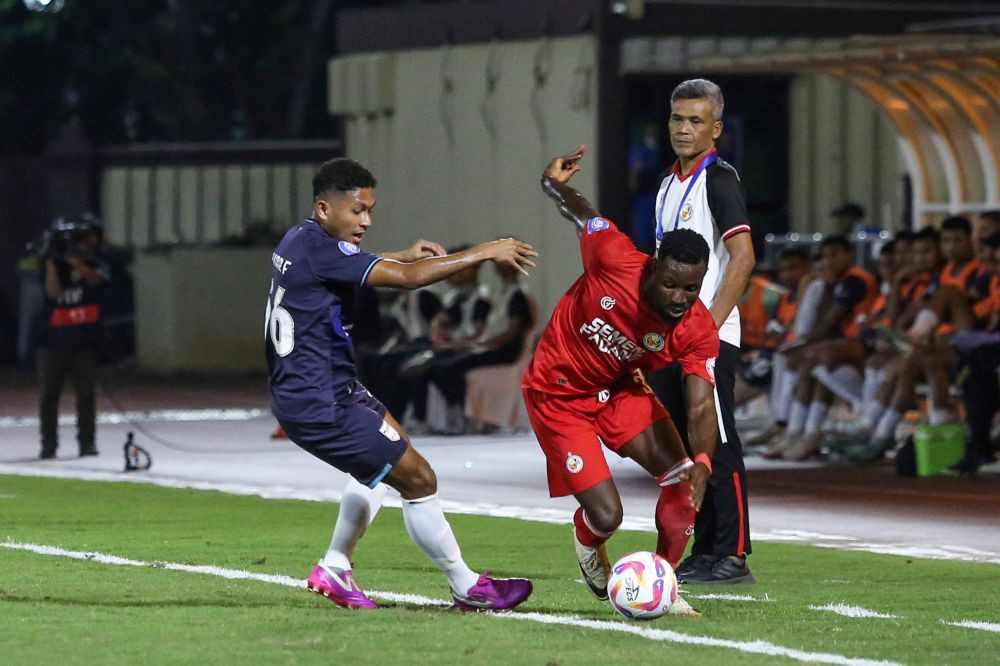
[307, 328]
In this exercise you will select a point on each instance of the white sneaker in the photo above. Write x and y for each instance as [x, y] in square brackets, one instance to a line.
[682, 608]
[594, 566]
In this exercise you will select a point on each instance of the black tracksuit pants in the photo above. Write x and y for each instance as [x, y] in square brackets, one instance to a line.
[722, 527]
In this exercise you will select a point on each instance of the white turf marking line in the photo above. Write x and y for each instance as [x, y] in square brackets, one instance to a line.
[112, 418]
[853, 611]
[233, 574]
[537, 514]
[973, 624]
[726, 596]
[664, 635]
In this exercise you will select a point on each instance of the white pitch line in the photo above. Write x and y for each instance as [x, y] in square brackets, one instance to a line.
[726, 596]
[663, 635]
[973, 624]
[141, 416]
[538, 514]
[854, 611]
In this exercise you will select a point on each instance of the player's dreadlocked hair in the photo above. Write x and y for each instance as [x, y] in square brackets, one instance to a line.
[684, 246]
[341, 174]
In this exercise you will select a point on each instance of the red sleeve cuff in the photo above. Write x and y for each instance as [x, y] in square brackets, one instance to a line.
[738, 229]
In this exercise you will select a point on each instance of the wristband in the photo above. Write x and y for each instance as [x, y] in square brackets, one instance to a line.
[704, 460]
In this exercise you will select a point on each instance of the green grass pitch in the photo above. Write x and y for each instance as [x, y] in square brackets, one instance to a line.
[55, 610]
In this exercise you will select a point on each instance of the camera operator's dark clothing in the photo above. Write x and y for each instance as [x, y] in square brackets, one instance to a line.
[69, 340]
[74, 321]
[80, 367]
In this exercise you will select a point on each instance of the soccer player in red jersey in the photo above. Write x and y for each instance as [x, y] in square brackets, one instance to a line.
[627, 313]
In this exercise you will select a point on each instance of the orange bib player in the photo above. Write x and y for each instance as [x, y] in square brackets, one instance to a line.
[584, 388]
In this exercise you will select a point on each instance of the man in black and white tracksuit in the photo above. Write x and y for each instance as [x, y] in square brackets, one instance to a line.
[703, 193]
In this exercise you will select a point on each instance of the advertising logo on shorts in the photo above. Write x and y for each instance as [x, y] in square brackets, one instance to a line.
[574, 463]
[653, 342]
[686, 211]
[389, 432]
[710, 367]
[348, 248]
[604, 396]
[607, 302]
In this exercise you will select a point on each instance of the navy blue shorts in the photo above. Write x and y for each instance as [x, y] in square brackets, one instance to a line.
[361, 443]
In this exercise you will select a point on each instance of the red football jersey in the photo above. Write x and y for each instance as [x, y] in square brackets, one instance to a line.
[602, 329]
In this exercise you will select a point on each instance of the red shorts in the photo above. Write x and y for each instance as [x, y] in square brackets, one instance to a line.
[570, 430]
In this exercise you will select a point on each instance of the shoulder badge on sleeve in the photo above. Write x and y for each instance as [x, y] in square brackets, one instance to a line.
[597, 224]
[348, 248]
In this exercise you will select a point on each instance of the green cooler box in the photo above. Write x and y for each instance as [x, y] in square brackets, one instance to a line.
[937, 447]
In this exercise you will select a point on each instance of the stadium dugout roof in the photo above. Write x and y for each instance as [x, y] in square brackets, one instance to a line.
[932, 66]
[941, 91]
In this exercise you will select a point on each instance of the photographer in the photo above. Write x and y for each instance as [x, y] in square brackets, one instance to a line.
[70, 328]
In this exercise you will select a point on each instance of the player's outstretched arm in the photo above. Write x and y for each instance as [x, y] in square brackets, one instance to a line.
[703, 427]
[573, 205]
[419, 250]
[420, 273]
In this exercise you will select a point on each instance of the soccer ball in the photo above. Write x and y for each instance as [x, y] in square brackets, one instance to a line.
[642, 586]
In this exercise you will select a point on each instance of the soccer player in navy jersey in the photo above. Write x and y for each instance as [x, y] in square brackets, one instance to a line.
[318, 400]
[628, 313]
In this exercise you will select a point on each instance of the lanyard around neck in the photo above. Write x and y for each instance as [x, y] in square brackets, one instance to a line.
[680, 206]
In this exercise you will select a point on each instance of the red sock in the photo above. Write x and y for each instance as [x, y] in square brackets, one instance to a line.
[674, 521]
[586, 534]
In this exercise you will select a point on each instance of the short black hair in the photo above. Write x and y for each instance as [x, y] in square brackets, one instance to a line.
[928, 234]
[888, 248]
[837, 241]
[848, 210]
[993, 240]
[904, 235]
[991, 215]
[957, 223]
[684, 246]
[795, 252]
[341, 174]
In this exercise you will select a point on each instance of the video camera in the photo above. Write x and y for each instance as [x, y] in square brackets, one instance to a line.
[67, 237]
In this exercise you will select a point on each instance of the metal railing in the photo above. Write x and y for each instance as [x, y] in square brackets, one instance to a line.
[184, 194]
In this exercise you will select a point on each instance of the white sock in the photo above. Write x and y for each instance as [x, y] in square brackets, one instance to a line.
[844, 381]
[357, 511]
[886, 427]
[940, 416]
[783, 408]
[797, 417]
[924, 323]
[816, 416]
[430, 530]
[779, 368]
[874, 378]
[873, 412]
[807, 313]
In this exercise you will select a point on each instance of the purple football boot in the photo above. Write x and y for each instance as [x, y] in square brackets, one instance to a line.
[494, 594]
[339, 587]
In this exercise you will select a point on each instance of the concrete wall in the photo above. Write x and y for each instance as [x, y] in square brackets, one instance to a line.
[197, 203]
[201, 310]
[842, 148]
[465, 166]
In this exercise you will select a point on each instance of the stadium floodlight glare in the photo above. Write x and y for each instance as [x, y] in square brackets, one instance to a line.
[50, 6]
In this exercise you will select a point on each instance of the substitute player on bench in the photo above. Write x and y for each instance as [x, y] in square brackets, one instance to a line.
[318, 400]
[628, 312]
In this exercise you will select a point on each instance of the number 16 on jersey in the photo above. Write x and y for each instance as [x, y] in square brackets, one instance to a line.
[278, 323]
